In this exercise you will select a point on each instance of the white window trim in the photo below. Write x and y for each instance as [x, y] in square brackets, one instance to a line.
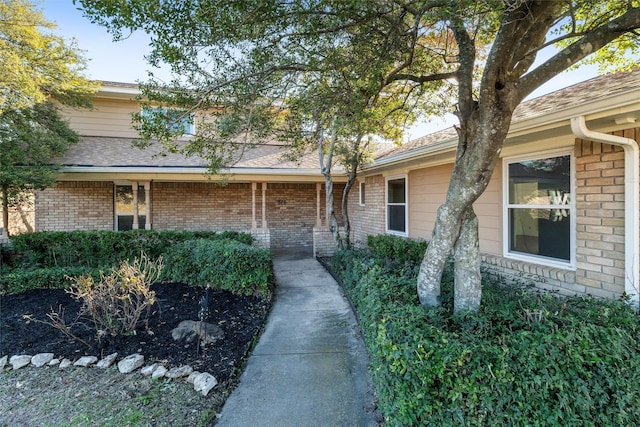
[406, 205]
[536, 259]
[361, 192]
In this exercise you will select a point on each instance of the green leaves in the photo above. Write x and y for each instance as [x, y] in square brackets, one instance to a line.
[525, 359]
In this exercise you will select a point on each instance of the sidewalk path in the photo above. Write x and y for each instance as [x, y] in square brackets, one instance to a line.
[309, 367]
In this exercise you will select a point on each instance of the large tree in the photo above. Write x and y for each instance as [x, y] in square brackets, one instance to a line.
[39, 71]
[245, 54]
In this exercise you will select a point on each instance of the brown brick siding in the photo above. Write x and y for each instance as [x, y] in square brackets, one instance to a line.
[290, 214]
[202, 206]
[75, 206]
[369, 219]
[22, 217]
[600, 217]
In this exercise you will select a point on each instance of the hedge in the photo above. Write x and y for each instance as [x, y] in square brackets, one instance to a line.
[103, 248]
[222, 259]
[224, 264]
[526, 359]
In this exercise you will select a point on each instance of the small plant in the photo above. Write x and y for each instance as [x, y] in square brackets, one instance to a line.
[116, 302]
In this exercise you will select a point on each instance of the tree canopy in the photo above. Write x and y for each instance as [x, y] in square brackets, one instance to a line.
[35, 64]
[39, 71]
[477, 58]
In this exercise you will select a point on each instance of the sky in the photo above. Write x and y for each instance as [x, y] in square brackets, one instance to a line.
[124, 61]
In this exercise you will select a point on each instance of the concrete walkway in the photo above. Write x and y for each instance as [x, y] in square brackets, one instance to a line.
[309, 367]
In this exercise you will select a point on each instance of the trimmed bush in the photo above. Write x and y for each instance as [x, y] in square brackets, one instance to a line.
[526, 359]
[103, 248]
[222, 264]
[18, 280]
[397, 249]
[45, 259]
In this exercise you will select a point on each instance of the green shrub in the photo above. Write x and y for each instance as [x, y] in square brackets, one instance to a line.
[104, 248]
[526, 359]
[18, 280]
[44, 259]
[397, 249]
[223, 264]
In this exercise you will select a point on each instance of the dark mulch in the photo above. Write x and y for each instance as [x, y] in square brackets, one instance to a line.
[23, 331]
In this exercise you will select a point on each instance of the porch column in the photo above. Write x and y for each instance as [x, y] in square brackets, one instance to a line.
[318, 193]
[254, 224]
[147, 202]
[264, 205]
[134, 188]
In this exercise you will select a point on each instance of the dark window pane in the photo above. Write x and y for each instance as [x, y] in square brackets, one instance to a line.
[125, 222]
[396, 218]
[395, 191]
[543, 232]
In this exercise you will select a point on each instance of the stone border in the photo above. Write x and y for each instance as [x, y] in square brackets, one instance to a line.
[202, 382]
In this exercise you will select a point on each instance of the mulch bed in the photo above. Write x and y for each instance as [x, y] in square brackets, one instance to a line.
[24, 328]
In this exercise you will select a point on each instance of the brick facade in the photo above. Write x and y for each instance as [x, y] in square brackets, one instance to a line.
[75, 206]
[600, 217]
[291, 208]
[367, 220]
[201, 206]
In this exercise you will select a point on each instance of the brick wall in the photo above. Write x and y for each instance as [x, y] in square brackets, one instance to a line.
[291, 208]
[75, 206]
[369, 219]
[21, 217]
[600, 217]
[291, 212]
[201, 206]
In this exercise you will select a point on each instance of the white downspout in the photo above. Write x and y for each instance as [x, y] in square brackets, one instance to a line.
[631, 204]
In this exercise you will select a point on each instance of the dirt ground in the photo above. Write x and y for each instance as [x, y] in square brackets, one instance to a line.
[24, 329]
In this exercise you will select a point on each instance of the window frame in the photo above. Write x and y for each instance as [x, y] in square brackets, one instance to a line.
[117, 215]
[362, 193]
[506, 206]
[405, 204]
[190, 128]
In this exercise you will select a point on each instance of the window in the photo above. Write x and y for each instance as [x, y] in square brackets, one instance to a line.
[539, 209]
[362, 193]
[397, 206]
[179, 121]
[125, 209]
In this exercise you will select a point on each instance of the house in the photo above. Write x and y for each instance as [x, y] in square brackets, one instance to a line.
[106, 184]
[562, 204]
[561, 208]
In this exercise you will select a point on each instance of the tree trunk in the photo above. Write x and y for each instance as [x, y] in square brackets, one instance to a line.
[345, 211]
[5, 209]
[467, 279]
[456, 226]
[331, 214]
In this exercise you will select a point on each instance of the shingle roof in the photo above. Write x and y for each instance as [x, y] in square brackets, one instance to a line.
[101, 151]
[571, 96]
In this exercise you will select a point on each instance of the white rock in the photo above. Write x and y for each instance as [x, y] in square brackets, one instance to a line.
[148, 370]
[54, 362]
[179, 372]
[204, 383]
[160, 372]
[85, 361]
[192, 376]
[130, 363]
[20, 361]
[3, 362]
[65, 363]
[107, 361]
[41, 359]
